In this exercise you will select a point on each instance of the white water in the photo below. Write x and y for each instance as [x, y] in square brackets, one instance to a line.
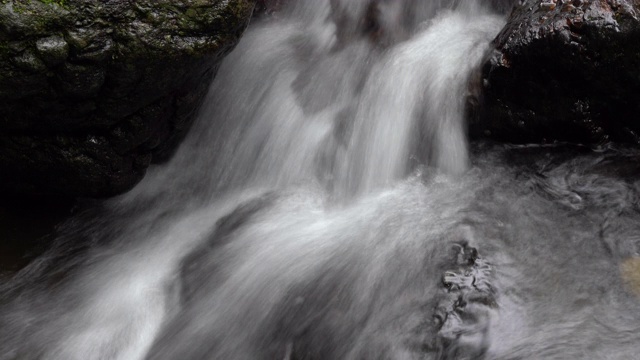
[322, 202]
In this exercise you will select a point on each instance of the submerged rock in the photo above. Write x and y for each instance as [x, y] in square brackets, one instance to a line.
[463, 313]
[564, 71]
[630, 271]
[93, 91]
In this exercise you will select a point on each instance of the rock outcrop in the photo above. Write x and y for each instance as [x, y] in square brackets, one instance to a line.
[91, 91]
[564, 71]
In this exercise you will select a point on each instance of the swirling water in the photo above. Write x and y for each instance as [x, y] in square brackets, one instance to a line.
[326, 205]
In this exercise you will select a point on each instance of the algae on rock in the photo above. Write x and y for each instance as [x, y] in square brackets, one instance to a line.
[92, 91]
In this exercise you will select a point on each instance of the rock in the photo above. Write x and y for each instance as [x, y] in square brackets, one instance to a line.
[501, 6]
[463, 310]
[53, 50]
[563, 71]
[268, 7]
[630, 271]
[91, 92]
[27, 228]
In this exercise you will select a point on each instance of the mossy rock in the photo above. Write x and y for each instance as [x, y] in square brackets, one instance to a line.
[130, 73]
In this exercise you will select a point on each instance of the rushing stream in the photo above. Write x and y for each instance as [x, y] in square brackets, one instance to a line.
[327, 205]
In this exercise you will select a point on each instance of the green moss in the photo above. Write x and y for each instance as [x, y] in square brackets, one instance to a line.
[58, 2]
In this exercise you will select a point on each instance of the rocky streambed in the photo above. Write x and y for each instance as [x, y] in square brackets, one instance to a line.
[326, 203]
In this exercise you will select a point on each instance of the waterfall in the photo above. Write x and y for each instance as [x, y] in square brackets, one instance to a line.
[326, 205]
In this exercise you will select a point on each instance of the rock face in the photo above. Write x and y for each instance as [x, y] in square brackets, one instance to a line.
[564, 71]
[266, 7]
[92, 91]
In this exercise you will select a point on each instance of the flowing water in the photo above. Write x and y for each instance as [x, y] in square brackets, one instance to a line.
[327, 205]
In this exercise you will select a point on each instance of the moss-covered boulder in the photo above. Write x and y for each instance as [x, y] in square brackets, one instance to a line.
[92, 91]
[564, 70]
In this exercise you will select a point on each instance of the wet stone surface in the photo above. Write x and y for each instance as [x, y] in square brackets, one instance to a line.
[463, 311]
[131, 74]
[563, 71]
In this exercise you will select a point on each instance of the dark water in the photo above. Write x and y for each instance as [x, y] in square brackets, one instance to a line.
[328, 206]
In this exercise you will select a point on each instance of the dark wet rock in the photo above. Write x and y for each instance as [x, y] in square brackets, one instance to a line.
[268, 7]
[52, 50]
[502, 6]
[564, 71]
[463, 312]
[27, 226]
[91, 92]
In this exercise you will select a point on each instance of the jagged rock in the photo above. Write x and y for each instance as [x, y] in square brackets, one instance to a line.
[92, 91]
[564, 71]
[464, 307]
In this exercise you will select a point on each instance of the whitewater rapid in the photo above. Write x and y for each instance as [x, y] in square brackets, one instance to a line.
[327, 205]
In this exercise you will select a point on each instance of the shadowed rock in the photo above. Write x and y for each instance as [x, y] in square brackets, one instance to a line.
[93, 91]
[564, 70]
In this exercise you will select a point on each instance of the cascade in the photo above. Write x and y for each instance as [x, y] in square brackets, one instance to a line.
[327, 205]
